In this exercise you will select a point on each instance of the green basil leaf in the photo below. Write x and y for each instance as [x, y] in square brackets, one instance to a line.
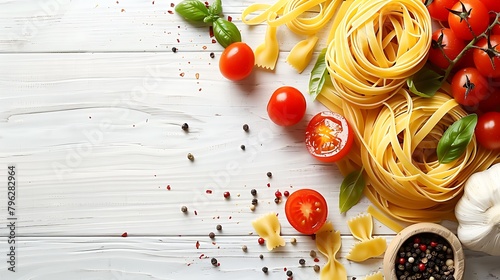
[319, 74]
[194, 10]
[455, 139]
[426, 82]
[351, 190]
[226, 32]
[216, 8]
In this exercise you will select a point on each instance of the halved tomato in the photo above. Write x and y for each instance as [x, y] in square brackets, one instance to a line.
[329, 136]
[306, 210]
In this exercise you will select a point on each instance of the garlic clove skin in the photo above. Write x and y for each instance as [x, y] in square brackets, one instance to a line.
[478, 212]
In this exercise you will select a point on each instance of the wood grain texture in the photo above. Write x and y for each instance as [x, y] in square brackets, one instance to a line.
[92, 100]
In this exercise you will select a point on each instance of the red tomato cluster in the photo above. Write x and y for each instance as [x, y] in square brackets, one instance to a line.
[475, 82]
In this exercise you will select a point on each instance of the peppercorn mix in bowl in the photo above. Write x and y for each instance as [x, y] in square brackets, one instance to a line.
[425, 251]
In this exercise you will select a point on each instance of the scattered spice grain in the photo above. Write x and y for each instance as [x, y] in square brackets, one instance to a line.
[227, 194]
[302, 262]
[245, 127]
[184, 209]
[255, 201]
[244, 248]
[253, 192]
[289, 273]
[243, 147]
[190, 157]
[312, 254]
[269, 174]
[218, 227]
[214, 261]
[265, 269]
[316, 268]
[293, 240]
[174, 49]
[261, 256]
[185, 127]
[261, 241]
[211, 235]
[212, 55]
[252, 207]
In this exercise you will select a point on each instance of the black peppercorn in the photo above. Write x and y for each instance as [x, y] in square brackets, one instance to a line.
[245, 127]
[255, 201]
[261, 256]
[265, 269]
[211, 235]
[219, 227]
[185, 126]
[212, 55]
[302, 262]
[184, 209]
[269, 174]
[289, 273]
[253, 192]
[277, 200]
[214, 261]
[174, 49]
[242, 147]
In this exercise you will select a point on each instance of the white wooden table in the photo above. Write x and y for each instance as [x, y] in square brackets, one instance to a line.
[92, 100]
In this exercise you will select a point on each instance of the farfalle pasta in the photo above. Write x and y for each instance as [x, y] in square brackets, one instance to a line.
[328, 242]
[362, 228]
[375, 276]
[269, 228]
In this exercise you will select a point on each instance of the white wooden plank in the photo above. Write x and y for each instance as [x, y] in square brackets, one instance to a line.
[104, 26]
[175, 258]
[95, 158]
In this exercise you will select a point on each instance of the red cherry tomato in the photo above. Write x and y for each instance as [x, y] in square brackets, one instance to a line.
[438, 9]
[488, 130]
[286, 106]
[236, 61]
[486, 66]
[491, 103]
[496, 28]
[469, 87]
[492, 5]
[306, 210]
[451, 46]
[477, 18]
[329, 137]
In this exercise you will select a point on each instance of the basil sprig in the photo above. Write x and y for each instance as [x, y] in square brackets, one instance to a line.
[455, 139]
[351, 190]
[319, 74]
[225, 32]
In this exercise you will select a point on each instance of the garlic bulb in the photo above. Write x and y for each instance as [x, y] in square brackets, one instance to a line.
[478, 212]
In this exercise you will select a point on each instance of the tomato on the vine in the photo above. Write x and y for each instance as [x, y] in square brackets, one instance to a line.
[488, 130]
[491, 103]
[237, 61]
[438, 9]
[469, 87]
[496, 28]
[306, 210]
[492, 5]
[287, 106]
[465, 13]
[450, 44]
[329, 137]
[488, 67]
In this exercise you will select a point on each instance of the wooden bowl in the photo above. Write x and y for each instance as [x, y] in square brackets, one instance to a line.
[422, 228]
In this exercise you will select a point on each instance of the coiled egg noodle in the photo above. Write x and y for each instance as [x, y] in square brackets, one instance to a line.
[294, 14]
[396, 146]
[375, 46]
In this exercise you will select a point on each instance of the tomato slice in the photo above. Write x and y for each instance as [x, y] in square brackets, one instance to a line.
[306, 210]
[329, 136]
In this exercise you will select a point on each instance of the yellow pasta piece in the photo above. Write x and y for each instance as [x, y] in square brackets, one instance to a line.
[328, 243]
[295, 15]
[396, 227]
[362, 228]
[268, 227]
[375, 276]
[301, 54]
[266, 54]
